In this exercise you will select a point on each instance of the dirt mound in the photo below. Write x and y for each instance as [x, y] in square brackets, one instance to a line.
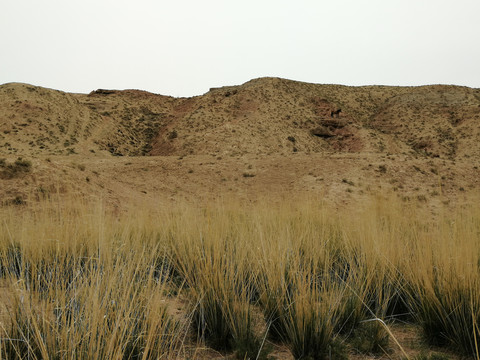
[439, 121]
[35, 120]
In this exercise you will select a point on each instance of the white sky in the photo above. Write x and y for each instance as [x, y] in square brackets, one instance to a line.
[184, 47]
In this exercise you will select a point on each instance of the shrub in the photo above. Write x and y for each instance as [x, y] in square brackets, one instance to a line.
[172, 135]
[17, 169]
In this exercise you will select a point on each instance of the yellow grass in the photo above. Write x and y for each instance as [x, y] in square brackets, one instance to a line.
[85, 283]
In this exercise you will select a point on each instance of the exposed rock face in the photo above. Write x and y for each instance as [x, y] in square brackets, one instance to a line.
[322, 132]
[334, 123]
[103, 92]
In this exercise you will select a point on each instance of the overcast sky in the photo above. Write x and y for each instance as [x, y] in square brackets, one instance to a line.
[184, 47]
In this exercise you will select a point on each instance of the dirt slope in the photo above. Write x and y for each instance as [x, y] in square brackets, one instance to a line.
[263, 116]
[268, 135]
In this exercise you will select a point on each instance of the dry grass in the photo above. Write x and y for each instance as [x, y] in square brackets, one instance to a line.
[87, 284]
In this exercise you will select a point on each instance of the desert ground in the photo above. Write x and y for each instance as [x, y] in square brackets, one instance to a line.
[268, 137]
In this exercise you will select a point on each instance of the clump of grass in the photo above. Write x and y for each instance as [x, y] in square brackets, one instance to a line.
[310, 323]
[248, 341]
[88, 293]
[371, 338]
[221, 289]
[95, 320]
[16, 169]
[446, 283]
[449, 315]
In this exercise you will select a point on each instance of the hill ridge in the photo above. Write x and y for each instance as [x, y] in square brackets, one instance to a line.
[259, 116]
[268, 136]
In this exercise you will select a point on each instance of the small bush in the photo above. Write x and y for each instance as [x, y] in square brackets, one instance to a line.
[18, 200]
[173, 135]
[17, 169]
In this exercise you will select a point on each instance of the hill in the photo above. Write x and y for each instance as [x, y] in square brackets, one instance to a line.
[268, 135]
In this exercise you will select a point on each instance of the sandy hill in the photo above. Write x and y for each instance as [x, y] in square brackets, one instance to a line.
[262, 116]
[284, 127]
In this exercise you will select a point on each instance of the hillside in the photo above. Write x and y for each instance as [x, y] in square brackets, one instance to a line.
[271, 134]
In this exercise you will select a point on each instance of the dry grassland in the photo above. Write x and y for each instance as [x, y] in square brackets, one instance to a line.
[243, 223]
[236, 280]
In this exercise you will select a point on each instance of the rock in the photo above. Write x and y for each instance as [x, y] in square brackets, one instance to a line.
[335, 123]
[322, 131]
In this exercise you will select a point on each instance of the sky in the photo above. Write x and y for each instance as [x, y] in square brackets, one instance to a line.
[185, 47]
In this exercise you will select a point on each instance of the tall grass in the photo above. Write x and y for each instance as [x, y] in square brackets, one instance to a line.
[446, 283]
[159, 281]
[83, 286]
